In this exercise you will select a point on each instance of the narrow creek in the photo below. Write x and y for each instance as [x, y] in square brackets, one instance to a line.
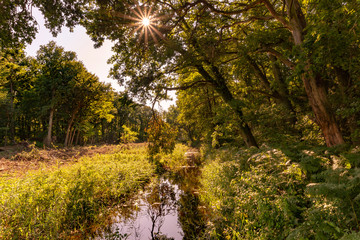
[168, 208]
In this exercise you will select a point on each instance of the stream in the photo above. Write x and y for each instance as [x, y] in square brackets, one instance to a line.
[168, 208]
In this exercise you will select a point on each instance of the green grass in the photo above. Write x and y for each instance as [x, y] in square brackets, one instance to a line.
[52, 204]
[174, 160]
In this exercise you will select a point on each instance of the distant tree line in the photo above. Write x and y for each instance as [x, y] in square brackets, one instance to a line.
[53, 98]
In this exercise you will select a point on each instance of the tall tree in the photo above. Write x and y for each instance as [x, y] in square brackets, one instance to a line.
[55, 73]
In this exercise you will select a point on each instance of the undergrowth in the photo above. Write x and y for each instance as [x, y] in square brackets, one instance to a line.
[55, 204]
[271, 193]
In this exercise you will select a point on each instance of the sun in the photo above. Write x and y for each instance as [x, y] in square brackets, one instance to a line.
[145, 22]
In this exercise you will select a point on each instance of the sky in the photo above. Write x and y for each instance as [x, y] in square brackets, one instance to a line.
[94, 59]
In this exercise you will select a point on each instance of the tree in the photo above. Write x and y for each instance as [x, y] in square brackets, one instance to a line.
[55, 74]
[161, 136]
[200, 35]
[309, 48]
[18, 25]
[89, 100]
[290, 15]
[13, 76]
[128, 136]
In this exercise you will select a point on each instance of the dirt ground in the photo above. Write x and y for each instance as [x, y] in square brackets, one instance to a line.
[17, 160]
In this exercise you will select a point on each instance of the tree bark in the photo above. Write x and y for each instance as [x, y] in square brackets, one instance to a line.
[72, 137]
[68, 131]
[324, 116]
[47, 140]
[67, 138]
[77, 137]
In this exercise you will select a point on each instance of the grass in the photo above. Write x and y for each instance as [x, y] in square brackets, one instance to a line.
[53, 204]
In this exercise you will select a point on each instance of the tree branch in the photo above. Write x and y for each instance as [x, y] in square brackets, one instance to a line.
[184, 87]
[281, 57]
[245, 8]
[276, 15]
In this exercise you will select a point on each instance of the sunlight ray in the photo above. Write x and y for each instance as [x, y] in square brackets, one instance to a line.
[153, 36]
[146, 36]
[145, 22]
[135, 30]
[157, 32]
[140, 12]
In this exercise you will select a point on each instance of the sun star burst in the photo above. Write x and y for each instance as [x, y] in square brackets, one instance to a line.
[145, 22]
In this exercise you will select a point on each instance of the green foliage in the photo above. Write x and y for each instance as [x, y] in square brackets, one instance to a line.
[161, 136]
[18, 24]
[172, 161]
[254, 194]
[55, 204]
[274, 194]
[128, 136]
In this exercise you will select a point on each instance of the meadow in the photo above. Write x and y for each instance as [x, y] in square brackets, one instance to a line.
[58, 202]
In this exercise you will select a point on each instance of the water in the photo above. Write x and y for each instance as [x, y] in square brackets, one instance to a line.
[169, 208]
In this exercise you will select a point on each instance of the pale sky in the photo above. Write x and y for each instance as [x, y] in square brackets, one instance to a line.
[95, 60]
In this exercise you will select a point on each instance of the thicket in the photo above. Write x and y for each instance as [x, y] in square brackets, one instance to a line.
[282, 193]
[59, 203]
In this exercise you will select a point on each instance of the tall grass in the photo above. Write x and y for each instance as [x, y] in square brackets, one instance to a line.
[172, 161]
[52, 204]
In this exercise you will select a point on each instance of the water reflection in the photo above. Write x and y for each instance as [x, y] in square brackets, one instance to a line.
[191, 213]
[167, 209]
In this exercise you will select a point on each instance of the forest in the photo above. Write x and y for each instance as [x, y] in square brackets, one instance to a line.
[267, 92]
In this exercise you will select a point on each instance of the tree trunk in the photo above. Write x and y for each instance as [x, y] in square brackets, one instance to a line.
[324, 116]
[47, 140]
[220, 87]
[313, 83]
[72, 137]
[12, 112]
[77, 138]
[68, 131]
